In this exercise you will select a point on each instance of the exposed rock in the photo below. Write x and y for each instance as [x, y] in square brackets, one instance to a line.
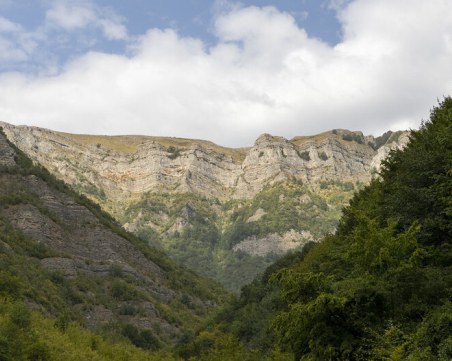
[121, 173]
[66, 266]
[256, 216]
[98, 316]
[383, 152]
[178, 227]
[273, 243]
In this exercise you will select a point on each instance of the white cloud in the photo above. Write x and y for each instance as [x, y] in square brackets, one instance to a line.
[7, 26]
[37, 47]
[70, 16]
[265, 74]
[113, 30]
[9, 52]
[16, 43]
[82, 14]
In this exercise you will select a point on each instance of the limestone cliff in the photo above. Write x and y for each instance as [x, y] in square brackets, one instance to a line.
[123, 167]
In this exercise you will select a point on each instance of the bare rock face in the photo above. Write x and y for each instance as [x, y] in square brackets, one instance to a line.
[69, 228]
[256, 216]
[310, 159]
[123, 168]
[273, 243]
[383, 152]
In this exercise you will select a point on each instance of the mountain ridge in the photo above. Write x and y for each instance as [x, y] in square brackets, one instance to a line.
[200, 166]
[200, 202]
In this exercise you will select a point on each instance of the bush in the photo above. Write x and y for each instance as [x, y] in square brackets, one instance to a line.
[143, 339]
[174, 152]
[323, 156]
[128, 310]
[122, 291]
[304, 155]
[350, 137]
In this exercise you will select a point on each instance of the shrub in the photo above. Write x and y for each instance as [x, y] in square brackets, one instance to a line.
[128, 310]
[174, 152]
[304, 155]
[323, 156]
[350, 137]
[143, 339]
[122, 291]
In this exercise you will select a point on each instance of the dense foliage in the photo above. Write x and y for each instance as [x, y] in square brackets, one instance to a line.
[381, 287]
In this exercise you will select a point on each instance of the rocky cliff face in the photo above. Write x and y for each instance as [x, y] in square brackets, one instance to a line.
[124, 167]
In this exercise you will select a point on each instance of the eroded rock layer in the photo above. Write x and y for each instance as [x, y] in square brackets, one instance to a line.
[123, 167]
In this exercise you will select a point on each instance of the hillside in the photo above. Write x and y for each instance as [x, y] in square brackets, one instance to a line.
[379, 289]
[213, 208]
[67, 260]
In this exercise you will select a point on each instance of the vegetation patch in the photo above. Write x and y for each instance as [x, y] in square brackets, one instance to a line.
[173, 152]
[353, 137]
[323, 156]
[304, 155]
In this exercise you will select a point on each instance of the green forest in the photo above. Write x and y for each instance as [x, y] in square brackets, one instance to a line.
[379, 288]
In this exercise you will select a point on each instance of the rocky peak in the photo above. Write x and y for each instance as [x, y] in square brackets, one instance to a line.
[268, 139]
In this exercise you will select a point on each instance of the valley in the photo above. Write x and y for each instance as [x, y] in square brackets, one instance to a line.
[75, 284]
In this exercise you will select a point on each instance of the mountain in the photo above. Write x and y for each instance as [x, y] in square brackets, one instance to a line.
[64, 258]
[226, 213]
[380, 288]
[122, 168]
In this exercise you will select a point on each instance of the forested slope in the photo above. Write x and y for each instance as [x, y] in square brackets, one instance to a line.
[378, 289]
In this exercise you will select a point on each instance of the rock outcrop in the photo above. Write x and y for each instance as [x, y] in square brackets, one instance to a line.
[273, 243]
[122, 168]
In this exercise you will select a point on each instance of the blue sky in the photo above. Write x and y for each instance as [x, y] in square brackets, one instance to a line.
[190, 18]
[223, 70]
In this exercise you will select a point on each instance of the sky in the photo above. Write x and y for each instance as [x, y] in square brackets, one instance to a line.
[223, 70]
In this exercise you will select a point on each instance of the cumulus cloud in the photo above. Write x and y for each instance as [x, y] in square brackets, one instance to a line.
[67, 25]
[264, 74]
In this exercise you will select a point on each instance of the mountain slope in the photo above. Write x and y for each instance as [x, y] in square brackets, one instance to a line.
[69, 259]
[226, 213]
[379, 289]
